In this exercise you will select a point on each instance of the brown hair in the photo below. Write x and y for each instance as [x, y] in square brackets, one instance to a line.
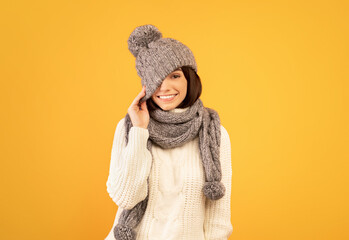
[194, 89]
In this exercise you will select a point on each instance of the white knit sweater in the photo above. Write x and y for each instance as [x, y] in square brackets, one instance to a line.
[177, 208]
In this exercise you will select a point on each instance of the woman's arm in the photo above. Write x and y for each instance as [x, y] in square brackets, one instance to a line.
[130, 166]
[217, 224]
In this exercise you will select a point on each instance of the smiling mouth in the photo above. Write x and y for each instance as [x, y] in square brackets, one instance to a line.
[167, 97]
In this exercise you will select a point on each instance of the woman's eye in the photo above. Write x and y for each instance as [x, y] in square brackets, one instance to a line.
[176, 76]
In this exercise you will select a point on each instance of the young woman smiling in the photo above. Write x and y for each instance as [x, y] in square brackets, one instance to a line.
[170, 170]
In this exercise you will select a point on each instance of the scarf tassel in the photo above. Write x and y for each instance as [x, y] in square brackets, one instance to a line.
[214, 190]
[123, 232]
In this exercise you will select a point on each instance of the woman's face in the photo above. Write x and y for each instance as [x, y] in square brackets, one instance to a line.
[172, 91]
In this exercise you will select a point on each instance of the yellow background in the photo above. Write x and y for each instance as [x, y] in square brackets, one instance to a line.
[276, 71]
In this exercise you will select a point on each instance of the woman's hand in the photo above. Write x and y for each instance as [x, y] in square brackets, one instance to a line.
[139, 113]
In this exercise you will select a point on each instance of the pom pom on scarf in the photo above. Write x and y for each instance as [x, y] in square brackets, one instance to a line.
[214, 190]
[122, 232]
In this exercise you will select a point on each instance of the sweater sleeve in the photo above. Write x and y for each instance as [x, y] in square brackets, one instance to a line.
[130, 165]
[217, 223]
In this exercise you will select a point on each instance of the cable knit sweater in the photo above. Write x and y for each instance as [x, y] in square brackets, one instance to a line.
[177, 209]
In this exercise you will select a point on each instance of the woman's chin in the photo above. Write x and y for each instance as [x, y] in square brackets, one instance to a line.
[167, 107]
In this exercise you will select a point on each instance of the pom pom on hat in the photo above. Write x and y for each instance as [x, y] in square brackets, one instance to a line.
[141, 37]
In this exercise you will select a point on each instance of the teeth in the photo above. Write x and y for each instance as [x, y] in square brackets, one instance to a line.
[165, 97]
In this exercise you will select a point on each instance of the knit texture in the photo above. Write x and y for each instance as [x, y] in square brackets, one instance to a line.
[177, 208]
[156, 57]
[170, 130]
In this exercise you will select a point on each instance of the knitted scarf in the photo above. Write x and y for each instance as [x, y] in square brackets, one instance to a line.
[170, 130]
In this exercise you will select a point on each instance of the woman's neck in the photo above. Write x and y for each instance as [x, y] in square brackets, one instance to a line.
[178, 109]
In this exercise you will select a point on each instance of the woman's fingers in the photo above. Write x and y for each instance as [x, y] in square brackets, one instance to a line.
[144, 106]
[138, 112]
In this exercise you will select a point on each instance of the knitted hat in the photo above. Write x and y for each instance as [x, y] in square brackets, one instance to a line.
[156, 57]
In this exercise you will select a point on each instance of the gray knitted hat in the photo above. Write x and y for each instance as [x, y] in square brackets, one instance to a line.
[156, 57]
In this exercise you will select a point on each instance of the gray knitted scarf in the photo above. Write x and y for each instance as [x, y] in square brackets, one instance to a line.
[170, 130]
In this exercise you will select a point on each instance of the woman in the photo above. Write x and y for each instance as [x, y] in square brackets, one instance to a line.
[170, 170]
